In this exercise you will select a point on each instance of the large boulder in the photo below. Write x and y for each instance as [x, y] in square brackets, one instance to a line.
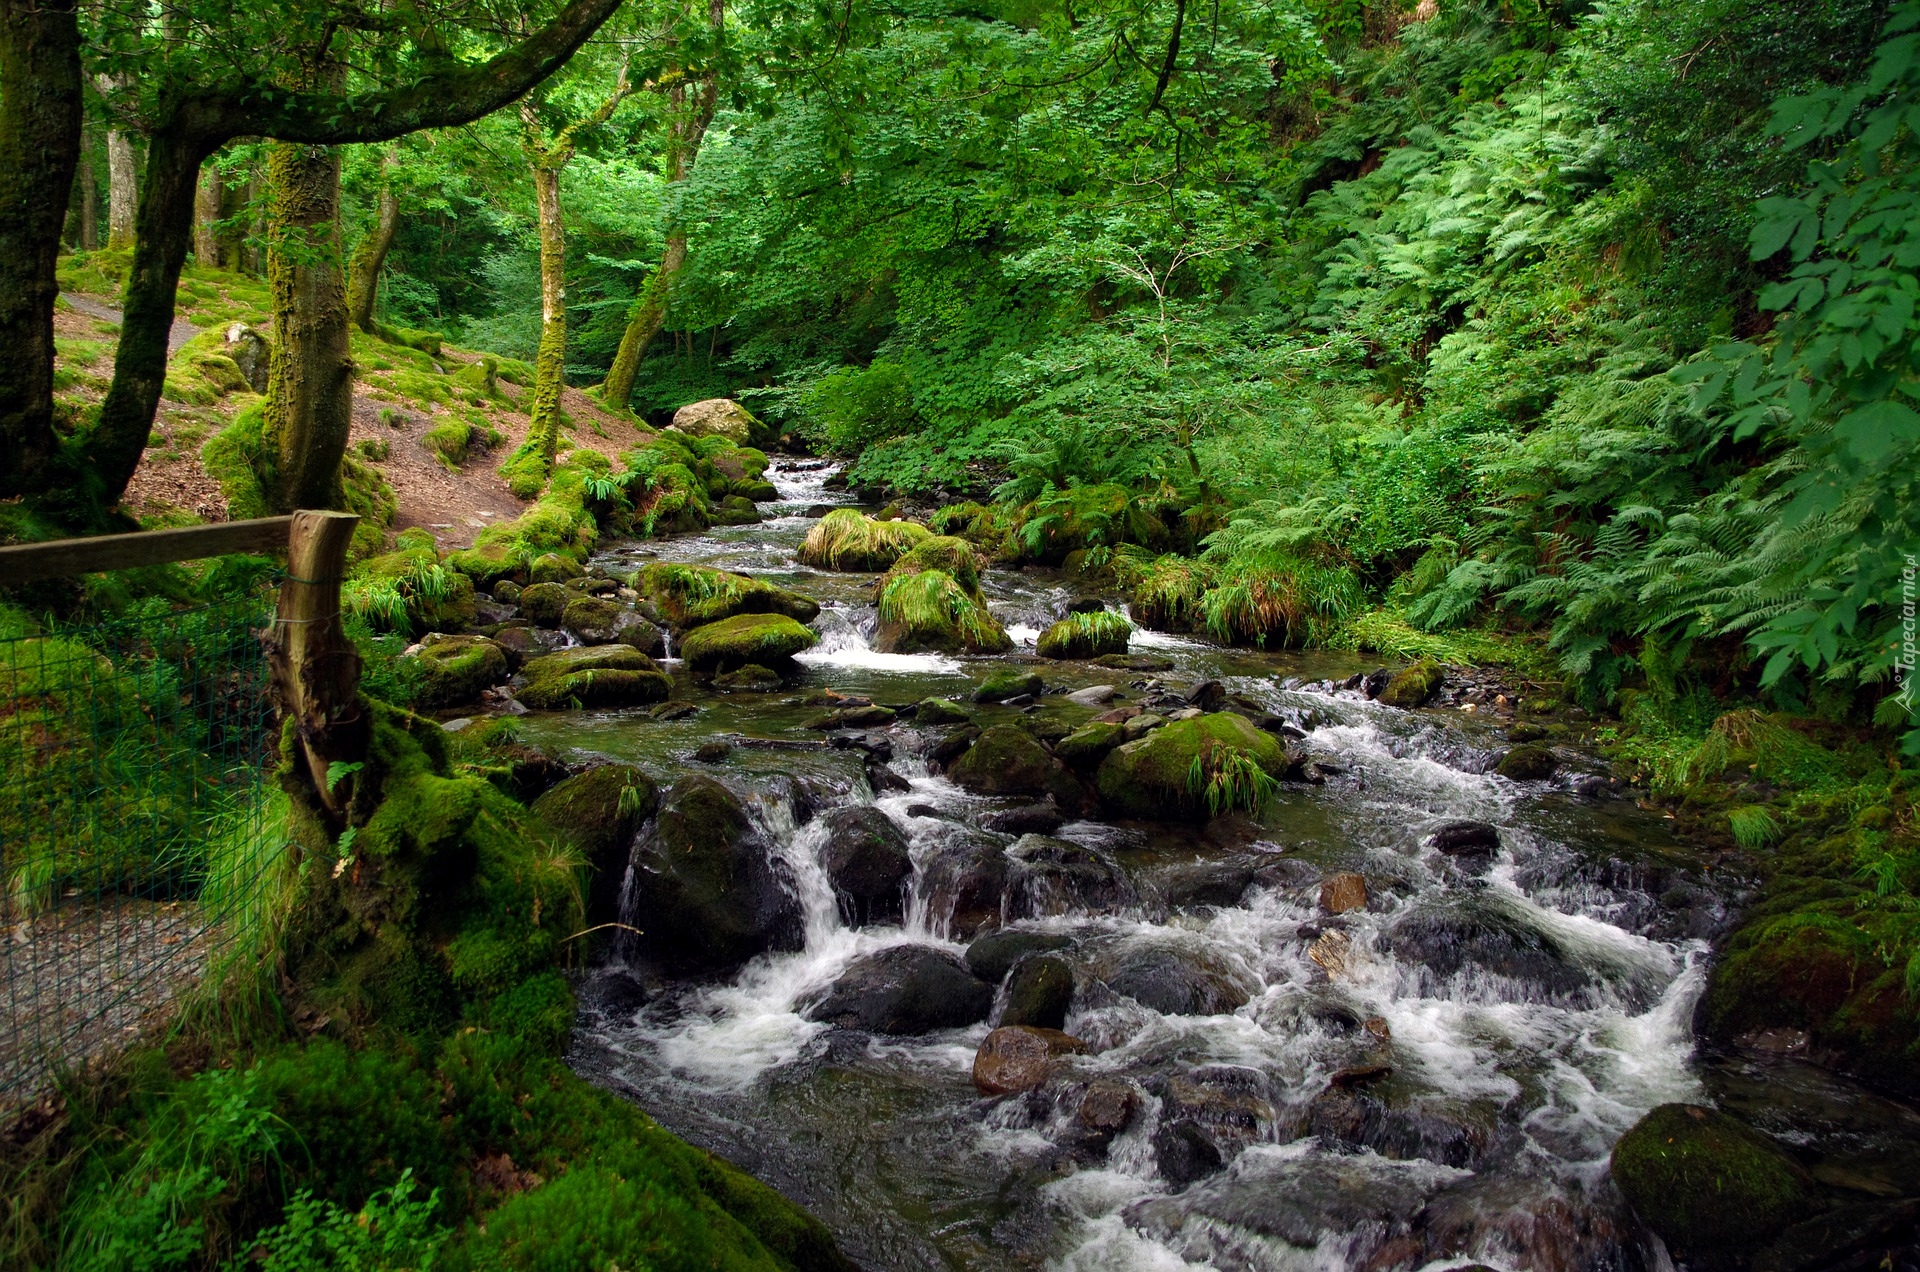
[1084, 748]
[905, 989]
[545, 604]
[966, 886]
[592, 621]
[592, 676]
[1413, 685]
[767, 640]
[1089, 635]
[1528, 762]
[551, 567]
[721, 417]
[1056, 876]
[1006, 760]
[1172, 981]
[709, 892]
[457, 668]
[601, 810]
[1020, 1058]
[932, 610]
[845, 539]
[992, 956]
[1039, 993]
[1707, 1183]
[1154, 776]
[866, 860]
[688, 596]
[1475, 937]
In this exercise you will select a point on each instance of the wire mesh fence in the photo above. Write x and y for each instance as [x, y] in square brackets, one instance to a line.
[137, 828]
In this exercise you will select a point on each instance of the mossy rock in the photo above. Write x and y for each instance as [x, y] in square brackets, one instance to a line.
[688, 596]
[1528, 762]
[766, 639]
[545, 604]
[1156, 776]
[488, 566]
[1134, 662]
[1085, 747]
[1008, 760]
[931, 612]
[846, 540]
[952, 556]
[752, 678]
[1007, 682]
[757, 490]
[1705, 1182]
[458, 668]
[592, 621]
[601, 810]
[551, 567]
[1082, 517]
[593, 676]
[1085, 636]
[933, 711]
[721, 418]
[735, 510]
[1412, 686]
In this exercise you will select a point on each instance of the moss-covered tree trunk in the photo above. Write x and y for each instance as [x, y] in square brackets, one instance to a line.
[310, 388]
[543, 424]
[370, 254]
[649, 313]
[40, 108]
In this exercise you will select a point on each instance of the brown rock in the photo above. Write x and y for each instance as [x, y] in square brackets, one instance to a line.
[1108, 1107]
[1019, 1058]
[1343, 892]
[1330, 952]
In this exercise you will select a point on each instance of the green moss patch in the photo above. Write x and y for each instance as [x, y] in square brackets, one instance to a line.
[846, 539]
[688, 596]
[1705, 1182]
[1085, 636]
[765, 639]
[592, 676]
[933, 610]
[1193, 769]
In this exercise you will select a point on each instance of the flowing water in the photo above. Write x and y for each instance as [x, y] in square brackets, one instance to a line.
[1527, 1013]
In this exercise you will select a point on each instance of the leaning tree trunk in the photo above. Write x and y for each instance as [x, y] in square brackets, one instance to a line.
[370, 256]
[543, 424]
[207, 203]
[310, 390]
[40, 108]
[644, 321]
[119, 437]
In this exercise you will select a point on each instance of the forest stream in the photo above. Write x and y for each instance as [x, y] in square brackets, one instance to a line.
[1443, 1068]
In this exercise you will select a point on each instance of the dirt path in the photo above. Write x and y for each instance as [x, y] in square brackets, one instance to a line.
[94, 307]
[389, 433]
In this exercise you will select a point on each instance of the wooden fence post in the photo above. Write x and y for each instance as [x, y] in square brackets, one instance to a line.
[316, 670]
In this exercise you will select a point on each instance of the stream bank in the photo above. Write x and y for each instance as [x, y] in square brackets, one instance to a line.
[1396, 1019]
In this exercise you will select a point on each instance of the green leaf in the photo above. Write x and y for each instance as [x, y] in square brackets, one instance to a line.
[1875, 429]
[340, 769]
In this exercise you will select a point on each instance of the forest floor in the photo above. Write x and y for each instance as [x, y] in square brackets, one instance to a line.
[392, 414]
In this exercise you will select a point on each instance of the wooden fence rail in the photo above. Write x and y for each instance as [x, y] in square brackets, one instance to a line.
[25, 562]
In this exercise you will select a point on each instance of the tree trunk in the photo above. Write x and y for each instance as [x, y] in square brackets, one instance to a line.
[649, 310]
[644, 320]
[310, 394]
[206, 217]
[119, 437]
[543, 425]
[123, 190]
[40, 108]
[370, 256]
[89, 204]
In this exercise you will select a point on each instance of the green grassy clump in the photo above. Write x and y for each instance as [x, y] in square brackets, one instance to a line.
[1193, 768]
[949, 554]
[408, 591]
[102, 272]
[239, 459]
[1084, 519]
[1165, 590]
[449, 440]
[1086, 636]
[846, 539]
[767, 640]
[560, 521]
[1278, 601]
[684, 596]
[933, 610]
[1388, 633]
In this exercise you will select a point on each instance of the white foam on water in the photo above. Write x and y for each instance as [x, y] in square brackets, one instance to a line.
[844, 643]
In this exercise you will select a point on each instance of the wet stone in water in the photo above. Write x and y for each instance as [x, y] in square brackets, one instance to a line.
[1020, 1058]
[905, 989]
[1039, 993]
[1343, 893]
[1173, 982]
[992, 956]
[866, 860]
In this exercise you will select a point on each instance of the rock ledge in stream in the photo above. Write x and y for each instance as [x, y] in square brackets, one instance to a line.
[708, 892]
[1018, 1058]
[1705, 1182]
[764, 639]
[592, 676]
[1151, 777]
[866, 860]
[1006, 760]
[904, 989]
